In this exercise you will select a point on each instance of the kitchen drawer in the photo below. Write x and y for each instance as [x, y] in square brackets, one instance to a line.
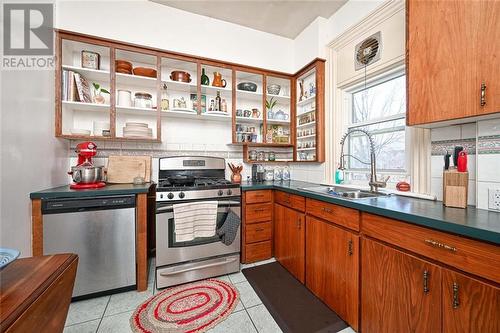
[290, 200]
[258, 212]
[462, 253]
[258, 251]
[257, 232]
[258, 196]
[343, 216]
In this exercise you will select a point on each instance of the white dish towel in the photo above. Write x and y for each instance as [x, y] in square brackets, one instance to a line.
[195, 219]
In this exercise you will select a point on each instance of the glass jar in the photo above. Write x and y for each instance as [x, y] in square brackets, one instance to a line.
[261, 156]
[278, 174]
[271, 156]
[269, 174]
[164, 98]
[143, 100]
[285, 174]
[252, 155]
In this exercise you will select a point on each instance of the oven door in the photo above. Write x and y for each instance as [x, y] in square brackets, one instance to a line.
[169, 251]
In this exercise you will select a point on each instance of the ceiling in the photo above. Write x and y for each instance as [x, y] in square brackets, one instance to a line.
[285, 18]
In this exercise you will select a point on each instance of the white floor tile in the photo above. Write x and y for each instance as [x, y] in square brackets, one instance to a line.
[224, 278]
[87, 310]
[238, 322]
[237, 277]
[347, 330]
[239, 307]
[126, 301]
[116, 324]
[87, 327]
[243, 266]
[248, 296]
[263, 320]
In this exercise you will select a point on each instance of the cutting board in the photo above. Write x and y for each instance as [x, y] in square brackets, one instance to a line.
[123, 169]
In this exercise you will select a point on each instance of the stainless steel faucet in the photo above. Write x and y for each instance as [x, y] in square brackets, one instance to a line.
[374, 183]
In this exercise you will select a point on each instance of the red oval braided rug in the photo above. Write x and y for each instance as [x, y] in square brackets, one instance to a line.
[193, 307]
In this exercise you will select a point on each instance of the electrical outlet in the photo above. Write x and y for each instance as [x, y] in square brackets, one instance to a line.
[494, 198]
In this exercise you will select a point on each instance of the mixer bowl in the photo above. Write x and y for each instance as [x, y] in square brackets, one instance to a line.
[87, 174]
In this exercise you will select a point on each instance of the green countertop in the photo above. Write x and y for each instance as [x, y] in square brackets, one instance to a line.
[109, 189]
[474, 223]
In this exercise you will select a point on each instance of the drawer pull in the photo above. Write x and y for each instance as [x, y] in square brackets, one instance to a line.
[441, 245]
[483, 94]
[426, 281]
[326, 210]
[350, 249]
[456, 301]
[259, 229]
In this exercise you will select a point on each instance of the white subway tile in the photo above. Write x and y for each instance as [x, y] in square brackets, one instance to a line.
[488, 167]
[437, 188]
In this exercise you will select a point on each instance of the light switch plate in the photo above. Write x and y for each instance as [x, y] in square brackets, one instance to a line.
[494, 198]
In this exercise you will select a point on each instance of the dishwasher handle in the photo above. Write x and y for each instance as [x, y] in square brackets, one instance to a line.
[79, 204]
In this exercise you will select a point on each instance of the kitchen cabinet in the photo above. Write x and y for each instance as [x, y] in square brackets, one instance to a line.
[332, 267]
[469, 305]
[452, 58]
[257, 226]
[399, 292]
[289, 240]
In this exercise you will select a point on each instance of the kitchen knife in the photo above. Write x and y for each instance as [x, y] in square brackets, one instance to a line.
[458, 149]
[447, 161]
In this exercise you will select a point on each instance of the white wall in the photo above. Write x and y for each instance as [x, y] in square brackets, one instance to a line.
[31, 157]
[151, 24]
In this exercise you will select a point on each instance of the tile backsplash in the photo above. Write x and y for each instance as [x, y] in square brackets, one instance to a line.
[482, 142]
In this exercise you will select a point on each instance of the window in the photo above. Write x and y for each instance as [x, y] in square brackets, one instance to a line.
[380, 109]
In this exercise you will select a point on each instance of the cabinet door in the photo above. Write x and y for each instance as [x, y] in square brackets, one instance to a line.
[440, 65]
[469, 305]
[488, 48]
[399, 292]
[289, 242]
[332, 267]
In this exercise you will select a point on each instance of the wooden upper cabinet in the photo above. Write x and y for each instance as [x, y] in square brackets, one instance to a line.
[332, 268]
[451, 49]
[469, 306]
[289, 240]
[400, 293]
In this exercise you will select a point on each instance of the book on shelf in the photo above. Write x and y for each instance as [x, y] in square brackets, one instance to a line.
[75, 87]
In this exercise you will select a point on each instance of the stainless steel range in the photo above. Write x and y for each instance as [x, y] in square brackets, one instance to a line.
[193, 179]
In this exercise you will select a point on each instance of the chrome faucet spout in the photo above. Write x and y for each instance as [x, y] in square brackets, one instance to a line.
[374, 183]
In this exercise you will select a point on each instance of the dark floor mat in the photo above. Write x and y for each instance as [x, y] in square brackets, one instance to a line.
[294, 308]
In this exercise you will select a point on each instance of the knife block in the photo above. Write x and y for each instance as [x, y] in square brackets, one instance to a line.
[455, 188]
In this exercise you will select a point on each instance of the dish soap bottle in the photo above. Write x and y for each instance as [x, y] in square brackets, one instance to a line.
[204, 78]
[339, 176]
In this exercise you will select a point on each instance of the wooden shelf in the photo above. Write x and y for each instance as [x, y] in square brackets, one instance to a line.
[135, 80]
[216, 116]
[306, 149]
[89, 74]
[243, 94]
[277, 145]
[178, 113]
[213, 90]
[136, 111]
[248, 120]
[279, 98]
[306, 124]
[103, 138]
[86, 106]
[181, 86]
[308, 100]
[278, 122]
[306, 137]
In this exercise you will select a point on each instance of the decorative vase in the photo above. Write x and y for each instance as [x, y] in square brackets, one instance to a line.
[236, 178]
[204, 78]
[99, 99]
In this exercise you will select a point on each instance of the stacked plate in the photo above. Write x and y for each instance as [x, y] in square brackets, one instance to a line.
[137, 130]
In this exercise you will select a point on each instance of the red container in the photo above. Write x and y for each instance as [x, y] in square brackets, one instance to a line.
[462, 161]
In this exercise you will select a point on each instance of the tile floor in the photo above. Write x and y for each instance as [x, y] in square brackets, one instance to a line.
[111, 314]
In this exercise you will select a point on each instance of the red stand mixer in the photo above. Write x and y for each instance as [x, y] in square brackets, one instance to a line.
[85, 174]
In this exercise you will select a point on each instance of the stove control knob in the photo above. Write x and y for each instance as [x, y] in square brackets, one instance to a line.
[161, 196]
[229, 192]
[170, 196]
[220, 193]
[181, 195]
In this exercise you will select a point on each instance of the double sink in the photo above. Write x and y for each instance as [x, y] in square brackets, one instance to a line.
[344, 192]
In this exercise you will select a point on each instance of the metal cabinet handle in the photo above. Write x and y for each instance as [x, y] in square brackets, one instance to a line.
[483, 94]
[350, 248]
[426, 281]
[440, 245]
[456, 301]
[259, 229]
[327, 210]
[299, 223]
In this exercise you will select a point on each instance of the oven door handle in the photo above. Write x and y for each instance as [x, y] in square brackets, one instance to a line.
[170, 208]
[199, 267]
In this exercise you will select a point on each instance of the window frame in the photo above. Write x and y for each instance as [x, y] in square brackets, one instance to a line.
[347, 94]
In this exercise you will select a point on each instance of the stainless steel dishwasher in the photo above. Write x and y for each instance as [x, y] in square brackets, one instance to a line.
[101, 230]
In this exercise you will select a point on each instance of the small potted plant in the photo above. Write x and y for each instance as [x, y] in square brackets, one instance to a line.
[98, 98]
[270, 104]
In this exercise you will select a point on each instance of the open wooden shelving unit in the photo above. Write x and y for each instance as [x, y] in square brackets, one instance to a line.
[74, 114]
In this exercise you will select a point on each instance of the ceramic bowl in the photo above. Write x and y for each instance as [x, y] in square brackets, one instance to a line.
[144, 71]
[273, 89]
[247, 86]
[7, 256]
